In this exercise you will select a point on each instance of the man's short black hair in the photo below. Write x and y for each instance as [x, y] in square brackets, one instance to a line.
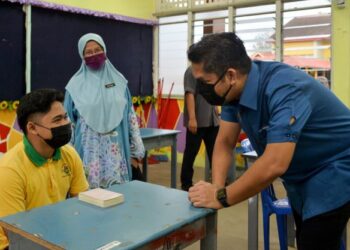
[220, 51]
[37, 101]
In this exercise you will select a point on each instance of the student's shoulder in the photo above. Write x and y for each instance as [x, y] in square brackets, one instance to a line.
[14, 155]
[69, 151]
[13, 160]
[70, 156]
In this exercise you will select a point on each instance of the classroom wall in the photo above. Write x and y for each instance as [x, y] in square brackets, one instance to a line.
[10, 133]
[341, 51]
[132, 8]
[145, 8]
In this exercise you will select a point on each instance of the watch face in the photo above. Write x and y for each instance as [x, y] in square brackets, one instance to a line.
[222, 198]
[221, 194]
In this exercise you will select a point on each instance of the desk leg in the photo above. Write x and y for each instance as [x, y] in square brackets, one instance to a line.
[290, 230]
[253, 222]
[207, 168]
[144, 166]
[231, 174]
[173, 163]
[209, 242]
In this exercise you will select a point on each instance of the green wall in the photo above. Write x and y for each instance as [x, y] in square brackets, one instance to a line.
[341, 51]
[132, 8]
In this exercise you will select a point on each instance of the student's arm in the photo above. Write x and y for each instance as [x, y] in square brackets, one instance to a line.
[12, 197]
[191, 109]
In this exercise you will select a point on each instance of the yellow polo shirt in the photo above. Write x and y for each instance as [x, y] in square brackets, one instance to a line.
[27, 180]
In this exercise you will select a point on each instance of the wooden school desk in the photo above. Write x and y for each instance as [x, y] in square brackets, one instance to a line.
[151, 217]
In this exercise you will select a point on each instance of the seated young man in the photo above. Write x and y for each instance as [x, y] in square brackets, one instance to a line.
[42, 169]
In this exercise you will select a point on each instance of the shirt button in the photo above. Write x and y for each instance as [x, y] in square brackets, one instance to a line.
[288, 135]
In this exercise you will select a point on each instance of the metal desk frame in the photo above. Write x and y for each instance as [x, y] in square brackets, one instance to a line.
[157, 138]
[253, 215]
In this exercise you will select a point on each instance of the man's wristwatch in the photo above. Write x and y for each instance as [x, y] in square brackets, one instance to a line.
[222, 197]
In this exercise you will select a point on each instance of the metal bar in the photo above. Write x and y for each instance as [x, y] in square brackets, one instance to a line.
[253, 213]
[28, 26]
[290, 230]
[173, 162]
[279, 31]
[155, 59]
[145, 166]
[209, 242]
[189, 31]
[231, 19]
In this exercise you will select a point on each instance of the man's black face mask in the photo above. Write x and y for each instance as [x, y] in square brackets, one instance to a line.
[209, 94]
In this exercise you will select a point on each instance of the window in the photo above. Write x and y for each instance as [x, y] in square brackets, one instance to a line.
[307, 36]
[172, 53]
[256, 26]
[208, 23]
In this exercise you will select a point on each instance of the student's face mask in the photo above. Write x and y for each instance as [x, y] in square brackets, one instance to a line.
[96, 61]
[60, 135]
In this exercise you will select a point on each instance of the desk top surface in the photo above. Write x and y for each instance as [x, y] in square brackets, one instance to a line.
[148, 212]
[154, 132]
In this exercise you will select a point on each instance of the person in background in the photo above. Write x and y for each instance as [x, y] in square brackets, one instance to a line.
[202, 124]
[324, 81]
[42, 169]
[106, 132]
[299, 129]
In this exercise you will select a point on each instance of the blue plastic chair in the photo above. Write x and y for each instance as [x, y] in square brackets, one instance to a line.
[280, 207]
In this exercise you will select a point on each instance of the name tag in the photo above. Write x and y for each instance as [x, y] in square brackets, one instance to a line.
[110, 85]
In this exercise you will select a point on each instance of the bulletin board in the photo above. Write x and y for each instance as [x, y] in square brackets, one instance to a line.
[55, 56]
[54, 49]
[12, 51]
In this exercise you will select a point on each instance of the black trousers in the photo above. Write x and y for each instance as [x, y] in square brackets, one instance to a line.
[322, 232]
[193, 143]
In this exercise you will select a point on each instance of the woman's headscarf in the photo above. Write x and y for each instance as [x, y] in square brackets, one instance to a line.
[98, 95]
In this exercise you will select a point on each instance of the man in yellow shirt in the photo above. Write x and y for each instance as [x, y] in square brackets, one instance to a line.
[42, 169]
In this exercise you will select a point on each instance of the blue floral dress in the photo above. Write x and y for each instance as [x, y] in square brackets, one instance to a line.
[106, 157]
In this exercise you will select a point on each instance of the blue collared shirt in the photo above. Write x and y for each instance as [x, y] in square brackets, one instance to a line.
[282, 104]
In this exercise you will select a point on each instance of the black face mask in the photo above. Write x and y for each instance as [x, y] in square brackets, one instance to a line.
[209, 94]
[60, 135]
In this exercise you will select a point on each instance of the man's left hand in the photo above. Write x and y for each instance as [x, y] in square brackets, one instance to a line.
[203, 194]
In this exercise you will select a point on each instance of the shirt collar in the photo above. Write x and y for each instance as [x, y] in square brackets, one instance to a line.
[249, 97]
[35, 157]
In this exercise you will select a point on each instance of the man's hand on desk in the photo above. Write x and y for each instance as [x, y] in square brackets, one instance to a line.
[203, 194]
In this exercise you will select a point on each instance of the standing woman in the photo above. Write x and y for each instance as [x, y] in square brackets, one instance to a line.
[106, 133]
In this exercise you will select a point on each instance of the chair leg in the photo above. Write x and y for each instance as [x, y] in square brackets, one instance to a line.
[266, 223]
[282, 231]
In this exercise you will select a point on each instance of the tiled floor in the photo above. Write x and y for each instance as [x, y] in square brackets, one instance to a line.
[232, 221]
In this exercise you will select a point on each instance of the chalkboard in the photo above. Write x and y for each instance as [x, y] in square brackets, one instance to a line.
[55, 57]
[12, 51]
